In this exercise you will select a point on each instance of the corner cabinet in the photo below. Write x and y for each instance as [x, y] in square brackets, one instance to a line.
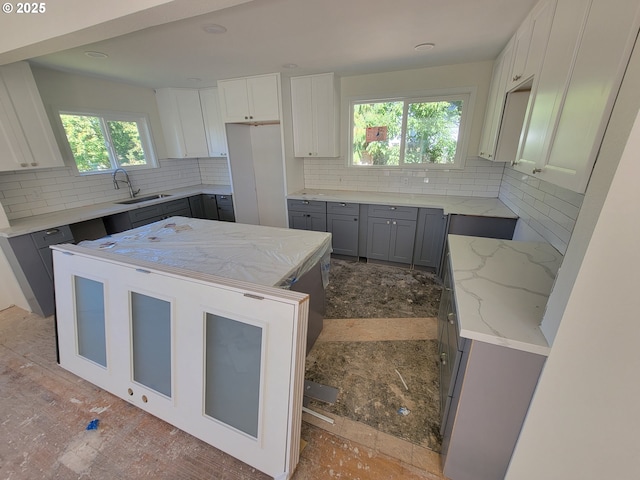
[250, 99]
[315, 101]
[589, 47]
[26, 136]
[431, 228]
[182, 123]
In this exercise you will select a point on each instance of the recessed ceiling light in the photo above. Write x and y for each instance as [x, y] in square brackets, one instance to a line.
[96, 54]
[290, 65]
[213, 28]
[423, 47]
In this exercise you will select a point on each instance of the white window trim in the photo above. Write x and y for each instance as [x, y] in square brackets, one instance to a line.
[144, 127]
[467, 94]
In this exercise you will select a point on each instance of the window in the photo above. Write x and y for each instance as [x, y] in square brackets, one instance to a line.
[104, 142]
[426, 131]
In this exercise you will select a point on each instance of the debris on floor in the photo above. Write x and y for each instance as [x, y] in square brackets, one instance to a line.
[93, 424]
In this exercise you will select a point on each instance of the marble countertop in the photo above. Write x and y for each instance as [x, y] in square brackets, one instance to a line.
[22, 226]
[501, 290]
[480, 206]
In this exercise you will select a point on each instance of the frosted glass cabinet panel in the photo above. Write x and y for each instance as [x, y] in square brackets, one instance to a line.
[151, 339]
[89, 297]
[232, 376]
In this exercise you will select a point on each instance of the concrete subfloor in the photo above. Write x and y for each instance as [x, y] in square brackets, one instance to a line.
[44, 411]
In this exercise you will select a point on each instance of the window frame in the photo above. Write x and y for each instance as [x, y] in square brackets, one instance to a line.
[144, 130]
[466, 94]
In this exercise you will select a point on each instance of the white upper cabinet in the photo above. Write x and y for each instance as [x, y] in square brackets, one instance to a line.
[250, 99]
[214, 127]
[530, 43]
[182, 123]
[315, 101]
[589, 48]
[26, 137]
[495, 104]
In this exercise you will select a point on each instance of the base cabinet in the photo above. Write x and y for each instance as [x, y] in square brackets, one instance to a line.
[391, 233]
[486, 390]
[343, 224]
[307, 215]
[431, 227]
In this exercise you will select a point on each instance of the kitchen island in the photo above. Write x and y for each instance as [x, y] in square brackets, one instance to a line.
[491, 348]
[199, 323]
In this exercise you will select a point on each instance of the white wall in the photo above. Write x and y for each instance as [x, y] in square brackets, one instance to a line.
[583, 421]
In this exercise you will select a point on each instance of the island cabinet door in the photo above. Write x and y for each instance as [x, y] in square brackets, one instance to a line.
[220, 359]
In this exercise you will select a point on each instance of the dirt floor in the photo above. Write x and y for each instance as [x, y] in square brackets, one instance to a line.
[364, 372]
[372, 290]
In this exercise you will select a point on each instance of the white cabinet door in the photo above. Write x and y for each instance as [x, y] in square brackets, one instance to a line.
[496, 104]
[264, 101]
[34, 143]
[588, 52]
[315, 110]
[214, 127]
[250, 100]
[222, 360]
[530, 43]
[182, 123]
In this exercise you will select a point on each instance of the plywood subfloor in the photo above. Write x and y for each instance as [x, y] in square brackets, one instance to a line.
[44, 411]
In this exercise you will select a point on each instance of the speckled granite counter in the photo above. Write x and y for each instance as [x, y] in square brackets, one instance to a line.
[486, 207]
[501, 290]
[35, 223]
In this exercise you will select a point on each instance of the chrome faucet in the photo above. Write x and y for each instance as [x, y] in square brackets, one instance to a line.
[126, 180]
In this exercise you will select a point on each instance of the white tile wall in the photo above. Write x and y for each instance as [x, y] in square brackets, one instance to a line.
[548, 209]
[42, 191]
[480, 178]
[214, 171]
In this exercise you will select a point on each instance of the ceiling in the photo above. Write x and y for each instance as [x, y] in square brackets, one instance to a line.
[349, 37]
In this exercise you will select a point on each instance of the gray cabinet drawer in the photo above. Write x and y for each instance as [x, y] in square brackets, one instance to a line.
[177, 207]
[224, 200]
[343, 208]
[391, 211]
[145, 213]
[307, 206]
[52, 236]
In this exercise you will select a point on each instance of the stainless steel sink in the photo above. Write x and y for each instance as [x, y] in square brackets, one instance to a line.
[144, 199]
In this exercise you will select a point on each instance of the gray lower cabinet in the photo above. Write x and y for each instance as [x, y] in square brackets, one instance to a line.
[31, 261]
[204, 206]
[307, 215]
[343, 224]
[224, 205]
[391, 233]
[486, 392]
[138, 217]
[430, 237]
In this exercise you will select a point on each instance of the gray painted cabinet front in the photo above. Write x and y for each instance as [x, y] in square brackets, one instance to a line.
[486, 392]
[432, 224]
[391, 233]
[344, 233]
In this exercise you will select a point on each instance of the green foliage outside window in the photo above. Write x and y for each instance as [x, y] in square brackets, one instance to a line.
[429, 134]
[99, 144]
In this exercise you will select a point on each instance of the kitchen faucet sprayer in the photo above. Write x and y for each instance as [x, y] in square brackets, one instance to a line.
[126, 180]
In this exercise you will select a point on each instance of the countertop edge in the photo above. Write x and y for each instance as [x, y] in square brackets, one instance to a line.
[27, 225]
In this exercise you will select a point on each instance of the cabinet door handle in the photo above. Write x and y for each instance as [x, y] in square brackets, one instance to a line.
[392, 208]
[443, 358]
[246, 118]
[52, 231]
[451, 316]
[388, 222]
[536, 170]
[343, 204]
[305, 202]
[355, 219]
[517, 77]
[23, 165]
[394, 222]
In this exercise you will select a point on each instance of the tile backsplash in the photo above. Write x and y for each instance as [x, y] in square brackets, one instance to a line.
[42, 191]
[480, 178]
[548, 209]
